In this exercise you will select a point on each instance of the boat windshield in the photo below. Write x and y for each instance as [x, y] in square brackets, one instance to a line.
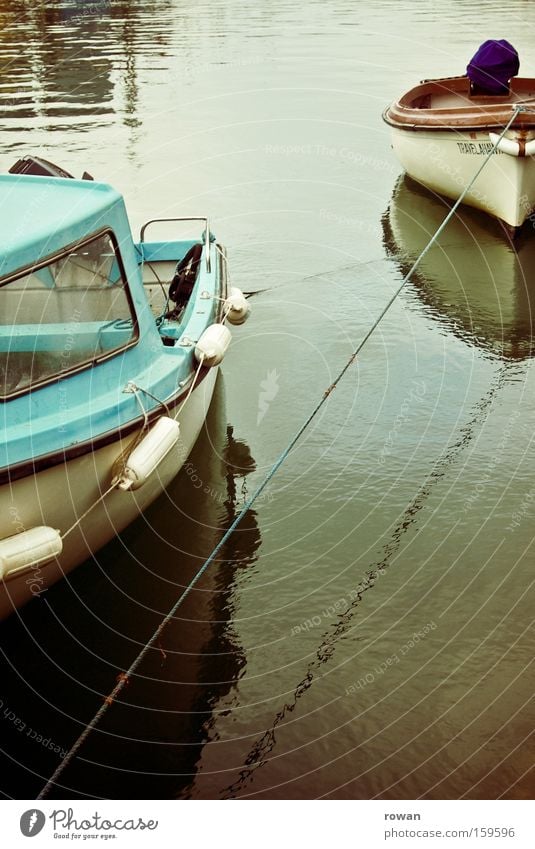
[63, 314]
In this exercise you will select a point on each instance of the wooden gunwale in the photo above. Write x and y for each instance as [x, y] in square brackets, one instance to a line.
[478, 112]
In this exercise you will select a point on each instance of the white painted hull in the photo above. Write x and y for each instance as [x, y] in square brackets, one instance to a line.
[446, 160]
[58, 496]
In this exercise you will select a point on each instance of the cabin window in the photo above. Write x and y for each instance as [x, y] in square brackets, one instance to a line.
[69, 312]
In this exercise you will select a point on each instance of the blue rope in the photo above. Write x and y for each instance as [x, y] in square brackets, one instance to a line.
[124, 677]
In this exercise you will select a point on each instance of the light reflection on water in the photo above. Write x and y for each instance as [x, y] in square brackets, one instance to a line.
[396, 509]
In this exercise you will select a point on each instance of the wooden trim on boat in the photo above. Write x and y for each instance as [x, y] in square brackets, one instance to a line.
[413, 111]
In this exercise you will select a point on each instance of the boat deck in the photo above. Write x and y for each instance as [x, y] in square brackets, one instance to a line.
[444, 99]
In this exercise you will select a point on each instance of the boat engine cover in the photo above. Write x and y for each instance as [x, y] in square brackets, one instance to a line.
[493, 65]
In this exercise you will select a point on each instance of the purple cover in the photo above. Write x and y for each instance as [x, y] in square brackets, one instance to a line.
[493, 65]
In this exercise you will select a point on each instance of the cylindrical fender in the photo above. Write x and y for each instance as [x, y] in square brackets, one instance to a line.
[513, 147]
[149, 453]
[236, 306]
[212, 345]
[505, 145]
[31, 548]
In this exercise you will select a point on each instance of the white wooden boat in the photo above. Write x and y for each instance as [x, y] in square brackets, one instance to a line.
[441, 129]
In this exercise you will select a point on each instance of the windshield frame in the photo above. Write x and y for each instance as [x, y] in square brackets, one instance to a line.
[94, 360]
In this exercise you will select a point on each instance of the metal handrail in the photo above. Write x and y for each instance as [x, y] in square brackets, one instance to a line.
[185, 218]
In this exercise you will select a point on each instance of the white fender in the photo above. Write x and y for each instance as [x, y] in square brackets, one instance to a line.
[212, 345]
[512, 147]
[29, 548]
[236, 306]
[147, 456]
[505, 145]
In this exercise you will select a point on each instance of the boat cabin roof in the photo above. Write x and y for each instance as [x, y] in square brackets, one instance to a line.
[40, 216]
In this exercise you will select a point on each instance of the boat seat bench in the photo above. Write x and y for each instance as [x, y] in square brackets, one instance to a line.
[69, 336]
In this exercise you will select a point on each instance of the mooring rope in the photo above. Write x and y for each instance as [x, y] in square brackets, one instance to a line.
[265, 743]
[134, 390]
[192, 387]
[124, 677]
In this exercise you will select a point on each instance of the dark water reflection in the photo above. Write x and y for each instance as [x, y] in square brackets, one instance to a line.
[74, 65]
[410, 499]
[93, 623]
[474, 281]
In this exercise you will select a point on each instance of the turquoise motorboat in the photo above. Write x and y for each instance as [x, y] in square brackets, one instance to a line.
[109, 351]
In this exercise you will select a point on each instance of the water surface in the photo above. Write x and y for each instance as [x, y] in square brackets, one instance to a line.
[369, 630]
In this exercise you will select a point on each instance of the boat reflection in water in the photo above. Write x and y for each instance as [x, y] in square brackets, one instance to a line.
[60, 655]
[473, 281]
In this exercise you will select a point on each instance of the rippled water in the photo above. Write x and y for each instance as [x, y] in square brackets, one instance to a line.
[368, 631]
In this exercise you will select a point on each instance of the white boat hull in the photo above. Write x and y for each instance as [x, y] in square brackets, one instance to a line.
[446, 161]
[58, 496]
